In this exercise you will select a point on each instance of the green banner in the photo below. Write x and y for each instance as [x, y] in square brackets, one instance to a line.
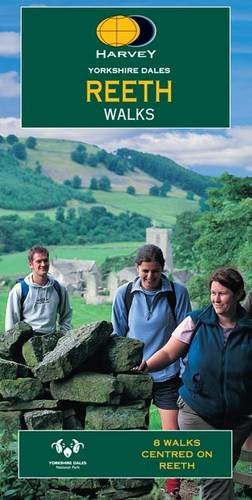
[125, 454]
[125, 67]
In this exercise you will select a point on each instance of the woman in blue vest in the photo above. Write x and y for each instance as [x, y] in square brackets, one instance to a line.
[217, 381]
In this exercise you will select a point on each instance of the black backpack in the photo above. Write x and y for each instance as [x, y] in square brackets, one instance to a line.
[170, 295]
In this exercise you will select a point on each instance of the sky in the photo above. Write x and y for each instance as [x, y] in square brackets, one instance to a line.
[207, 151]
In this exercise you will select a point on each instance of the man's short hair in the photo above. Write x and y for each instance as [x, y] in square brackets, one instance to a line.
[37, 249]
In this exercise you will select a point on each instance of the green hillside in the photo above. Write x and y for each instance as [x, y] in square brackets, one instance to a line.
[41, 202]
[22, 188]
[165, 169]
[54, 158]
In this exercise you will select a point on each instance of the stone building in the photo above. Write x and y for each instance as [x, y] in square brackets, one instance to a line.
[118, 278]
[74, 274]
[162, 238]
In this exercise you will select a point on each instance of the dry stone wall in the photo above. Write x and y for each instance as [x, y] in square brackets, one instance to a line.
[80, 381]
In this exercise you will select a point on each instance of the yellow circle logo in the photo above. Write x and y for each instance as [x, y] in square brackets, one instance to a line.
[118, 31]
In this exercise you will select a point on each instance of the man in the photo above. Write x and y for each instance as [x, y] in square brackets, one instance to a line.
[39, 300]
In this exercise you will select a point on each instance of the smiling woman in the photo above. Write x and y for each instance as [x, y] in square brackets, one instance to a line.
[217, 380]
[149, 309]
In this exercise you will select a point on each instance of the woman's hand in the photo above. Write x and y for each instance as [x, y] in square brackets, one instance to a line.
[143, 367]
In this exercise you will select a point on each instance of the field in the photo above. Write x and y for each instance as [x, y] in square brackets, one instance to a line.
[82, 313]
[163, 210]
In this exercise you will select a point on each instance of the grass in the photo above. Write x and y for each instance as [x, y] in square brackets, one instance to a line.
[15, 264]
[82, 313]
[87, 313]
[163, 210]
[55, 157]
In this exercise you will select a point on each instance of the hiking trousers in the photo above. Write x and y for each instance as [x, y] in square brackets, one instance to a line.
[211, 488]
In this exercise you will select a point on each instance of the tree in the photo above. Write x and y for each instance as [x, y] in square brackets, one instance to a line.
[71, 216]
[93, 183]
[92, 160]
[12, 139]
[88, 197]
[31, 142]
[67, 182]
[60, 214]
[38, 167]
[190, 195]
[79, 155]
[154, 191]
[131, 190]
[76, 182]
[1, 139]
[184, 236]
[104, 183]
[165, 188]
[19, 151]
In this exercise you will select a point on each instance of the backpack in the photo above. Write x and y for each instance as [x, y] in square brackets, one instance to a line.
[171, 298]
[25, 290]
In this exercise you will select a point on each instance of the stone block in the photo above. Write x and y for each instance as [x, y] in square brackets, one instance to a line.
[37, 404]
[119, 355]
[120, 489]
[71, 420]
[24, 389]
[72, 350]
[13, 340]
[37, 347]
[61, 495]
[44, 419]
[88, 388]
[11, 370]
[10, 421]
[136, 386]
[112, 417]
[77, 484]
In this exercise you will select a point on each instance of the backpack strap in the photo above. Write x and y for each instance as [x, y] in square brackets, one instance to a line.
[57, 287]
[171, 298]
[25, 290]
[128, 297]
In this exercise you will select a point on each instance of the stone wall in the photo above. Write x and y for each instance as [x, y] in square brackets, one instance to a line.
[79, 381]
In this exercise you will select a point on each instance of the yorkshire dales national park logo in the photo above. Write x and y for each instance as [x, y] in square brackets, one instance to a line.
[118, 31]
[67, 451]
[61, 447]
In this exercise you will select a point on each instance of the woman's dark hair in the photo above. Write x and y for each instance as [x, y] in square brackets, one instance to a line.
[150, 253]
[230, 278]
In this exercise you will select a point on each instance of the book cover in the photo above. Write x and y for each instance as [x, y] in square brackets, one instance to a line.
[134, 82]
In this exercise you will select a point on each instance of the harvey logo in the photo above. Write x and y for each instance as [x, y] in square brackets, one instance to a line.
[118, 31]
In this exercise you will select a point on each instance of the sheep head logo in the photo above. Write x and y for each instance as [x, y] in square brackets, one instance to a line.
[74, 447]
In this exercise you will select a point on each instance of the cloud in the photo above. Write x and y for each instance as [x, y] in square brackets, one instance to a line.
[9, 43]
[226, 148]
[9, 84]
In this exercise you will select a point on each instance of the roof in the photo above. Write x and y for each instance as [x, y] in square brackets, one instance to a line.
[68, 266]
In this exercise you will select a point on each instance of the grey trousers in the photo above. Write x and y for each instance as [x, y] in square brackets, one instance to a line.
[215, 489]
